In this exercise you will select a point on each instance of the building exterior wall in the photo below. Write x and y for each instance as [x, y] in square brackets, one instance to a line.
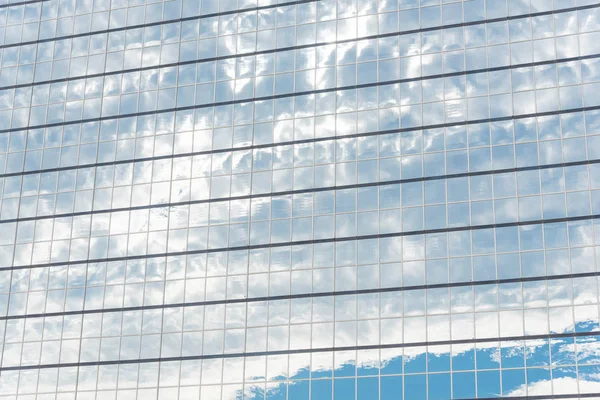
[299, 200]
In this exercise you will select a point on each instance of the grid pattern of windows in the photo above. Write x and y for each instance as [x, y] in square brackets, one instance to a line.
[299, 199]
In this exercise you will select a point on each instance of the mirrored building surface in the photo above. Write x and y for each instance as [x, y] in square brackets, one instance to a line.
[299, 200]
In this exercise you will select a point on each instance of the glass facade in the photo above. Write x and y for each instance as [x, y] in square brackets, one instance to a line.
[299, 200]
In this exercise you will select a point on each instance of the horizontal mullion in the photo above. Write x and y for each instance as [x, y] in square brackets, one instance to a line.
[296, 47]
[123, 28]
[312, 241]
[247, 148]
[304, 191]
[333, 90]
[358, 292]
[310, 351]
[167, 21]
[357, 86]
[298, 141]
[291, 3]
[22, 3]
[544, 397]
